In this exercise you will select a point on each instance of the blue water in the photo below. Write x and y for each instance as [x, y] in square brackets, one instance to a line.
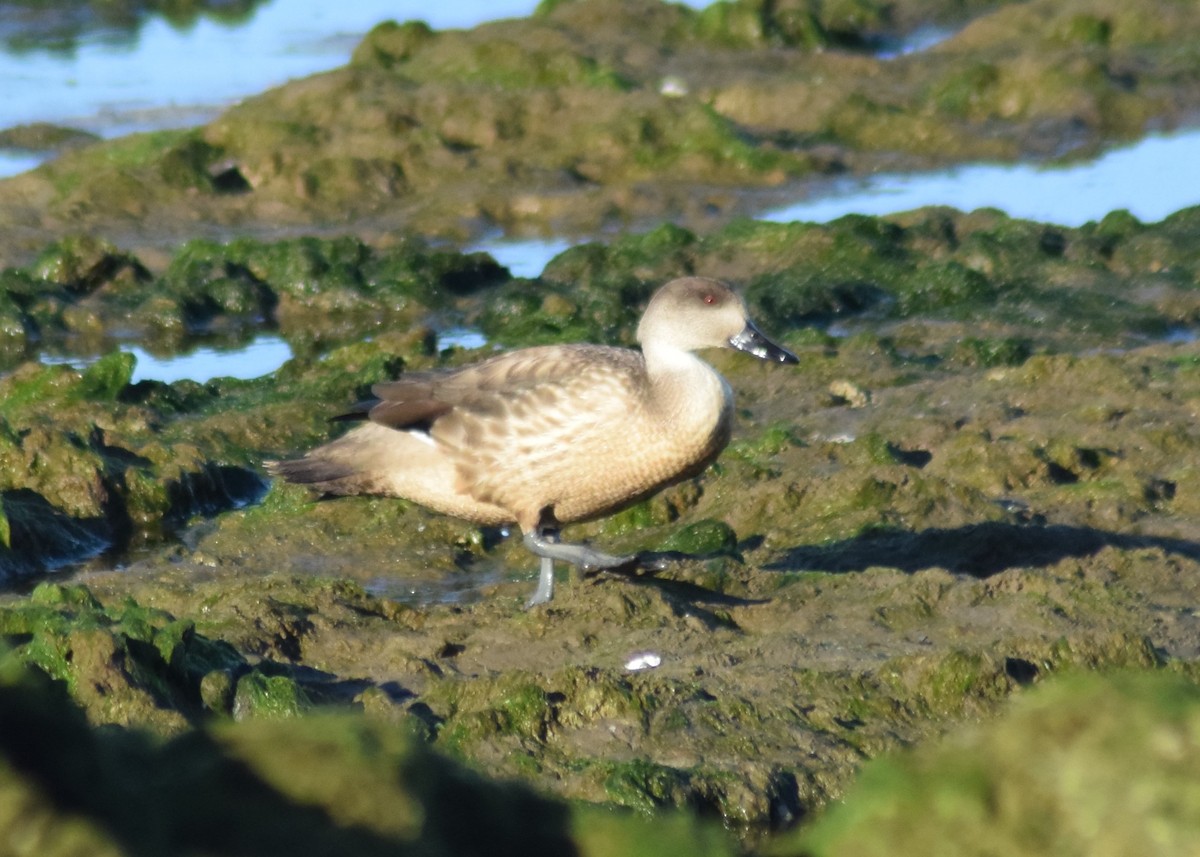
[261, 357]
[13, 162]
[524, 257]
[1151, 179]
[167, 77]
[161, 76]
[1145, 178]
[461, 337]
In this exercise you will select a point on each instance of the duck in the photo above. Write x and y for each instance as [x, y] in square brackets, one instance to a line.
[551, 435]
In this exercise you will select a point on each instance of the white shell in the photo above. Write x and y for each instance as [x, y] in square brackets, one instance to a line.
[643, 661]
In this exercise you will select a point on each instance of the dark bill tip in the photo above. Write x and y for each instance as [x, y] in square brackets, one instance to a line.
[752, 341]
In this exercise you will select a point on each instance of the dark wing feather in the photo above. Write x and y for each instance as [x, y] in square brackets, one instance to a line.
[409, 402]
[358, 411]
[419, 399]
[418, 413]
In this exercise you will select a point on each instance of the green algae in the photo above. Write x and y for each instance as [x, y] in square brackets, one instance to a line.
[603, 832]
[1073, 750]
[108, 377]
[44, 136]
[415, 52]
[258, 695]
[759, 454]
[318, 785]
[390, 43]
[641, 784]
[128, 664]
[1004, 351]
[517, 706]
[703, 538]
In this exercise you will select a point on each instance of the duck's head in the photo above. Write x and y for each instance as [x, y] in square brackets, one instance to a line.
[692, 313]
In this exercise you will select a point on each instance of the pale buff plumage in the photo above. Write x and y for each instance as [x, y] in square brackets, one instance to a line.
[555, 434]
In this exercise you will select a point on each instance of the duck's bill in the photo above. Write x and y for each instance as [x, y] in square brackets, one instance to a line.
[752, 341]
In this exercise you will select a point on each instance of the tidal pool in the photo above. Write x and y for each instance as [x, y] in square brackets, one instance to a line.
[524, 257]
[115, 82]
[1143, 178]
[461, 337]
[261, 357]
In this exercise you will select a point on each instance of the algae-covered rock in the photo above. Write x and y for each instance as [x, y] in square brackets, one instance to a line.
[258, 695]
[86, 292]
[82, 469]
[89, 461]
[703, 538]
[44, 136]
[980, 475]
[107, 377]
[599, 113]
[994, 284]
[327, 785]
[1105, 762]
[127, 665]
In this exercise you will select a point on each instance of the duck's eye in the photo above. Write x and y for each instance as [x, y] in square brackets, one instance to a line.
[710, 299]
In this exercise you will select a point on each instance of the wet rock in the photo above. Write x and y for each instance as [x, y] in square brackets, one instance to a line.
[39, 537]
[1013, 500]
[327, 785]
[44, 136]
[258, 695]
[1053, 775]
[128, 665]
[566, 119]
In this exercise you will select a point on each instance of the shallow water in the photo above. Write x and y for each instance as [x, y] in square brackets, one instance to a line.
[461, 337]
[13, 161]
[1144, 178]
[466, 587]
[158, 75]
[161, 76]
[918, 40]
[524, 257]
[261, 357]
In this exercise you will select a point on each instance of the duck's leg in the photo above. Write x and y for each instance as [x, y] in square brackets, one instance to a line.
[545, 585]
[543, 542]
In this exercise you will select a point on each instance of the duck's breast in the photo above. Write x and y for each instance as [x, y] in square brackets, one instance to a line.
[583, 443]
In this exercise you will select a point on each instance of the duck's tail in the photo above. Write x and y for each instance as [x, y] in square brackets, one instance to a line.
[317, 471]
[362, 461]
[337, 468]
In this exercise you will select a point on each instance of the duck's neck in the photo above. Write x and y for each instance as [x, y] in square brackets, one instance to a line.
[685, 389]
